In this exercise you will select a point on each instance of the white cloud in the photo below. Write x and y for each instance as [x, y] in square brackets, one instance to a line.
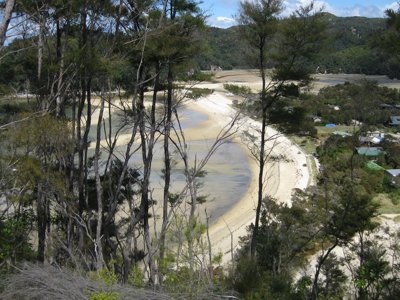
[372, 11]
[225, 20]
[291, 5]
[343, 11]
[221, 21]
[394, 6]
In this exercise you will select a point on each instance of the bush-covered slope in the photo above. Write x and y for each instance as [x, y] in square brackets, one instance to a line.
[349, 50]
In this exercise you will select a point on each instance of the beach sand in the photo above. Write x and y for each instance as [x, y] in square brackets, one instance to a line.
[281, 176]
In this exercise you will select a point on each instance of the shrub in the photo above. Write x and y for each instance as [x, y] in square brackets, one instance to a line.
[196, 93]
[237, 89]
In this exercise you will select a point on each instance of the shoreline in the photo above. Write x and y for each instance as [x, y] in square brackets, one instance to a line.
[235, 220]
[282, 176]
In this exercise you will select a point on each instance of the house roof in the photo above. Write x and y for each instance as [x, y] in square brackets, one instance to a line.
[369, 151]
[365, 139]
[385, 105]
[370, 139]
[374, 166]
[394, 172]
[342, 133]
[395, 120]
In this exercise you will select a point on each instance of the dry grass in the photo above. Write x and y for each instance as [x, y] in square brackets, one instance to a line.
[308, 144]
[386, 205]
[35, 282]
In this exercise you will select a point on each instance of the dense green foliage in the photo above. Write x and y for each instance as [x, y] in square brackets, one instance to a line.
[226, 49]
[237, 89]
[350, 51]
[90, 99]
[354, 101]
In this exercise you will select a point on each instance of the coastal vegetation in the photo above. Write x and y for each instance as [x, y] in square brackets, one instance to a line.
[101, 196]
[352, 48]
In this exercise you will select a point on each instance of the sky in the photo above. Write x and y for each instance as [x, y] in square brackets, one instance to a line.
[221, 13]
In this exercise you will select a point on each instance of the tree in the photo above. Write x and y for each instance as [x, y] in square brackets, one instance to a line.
[298, 42]
[259, 21]
[332, 286]
[9, 6]
[389, 41]
[346, 210]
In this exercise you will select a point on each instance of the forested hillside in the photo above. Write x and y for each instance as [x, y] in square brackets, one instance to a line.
[350, 51]
[108, 127]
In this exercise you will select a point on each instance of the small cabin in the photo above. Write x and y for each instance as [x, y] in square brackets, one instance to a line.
[395, 120]
[394, 176]
[369, 151]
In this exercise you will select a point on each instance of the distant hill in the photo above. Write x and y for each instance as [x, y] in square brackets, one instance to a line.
[226, 49]
[349, 50]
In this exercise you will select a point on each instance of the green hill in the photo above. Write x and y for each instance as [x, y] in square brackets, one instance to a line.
[349, 49]
[227, 49]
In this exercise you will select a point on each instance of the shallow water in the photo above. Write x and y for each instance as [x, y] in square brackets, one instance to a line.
[228, 171]
[190, 118]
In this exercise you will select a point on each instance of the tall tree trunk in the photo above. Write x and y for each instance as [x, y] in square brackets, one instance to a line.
[118, 19]
[167, 166]
[82, 140]
[41, 212]
[126, 251]
[6, 21]
[262, 157]
[60, 112]
[192, 216]
[99, 191]
[134, 216]
[314, 290]
[147, 143]
[42, 102]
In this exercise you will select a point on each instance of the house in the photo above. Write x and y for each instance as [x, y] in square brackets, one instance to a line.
[369, 151]
[365, 140]
[371, 138]
[395, 120]
[317, 119]
[394, 175]
[343, 134]
[389, 106]
[386, 106]
[356, 123]
[334, 107]
[393, 172]
[372, 165]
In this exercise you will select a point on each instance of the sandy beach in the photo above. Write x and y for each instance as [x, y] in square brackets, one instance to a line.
[282, 176]
[251, 78]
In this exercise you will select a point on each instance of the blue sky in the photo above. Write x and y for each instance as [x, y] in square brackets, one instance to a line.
[222, 12]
